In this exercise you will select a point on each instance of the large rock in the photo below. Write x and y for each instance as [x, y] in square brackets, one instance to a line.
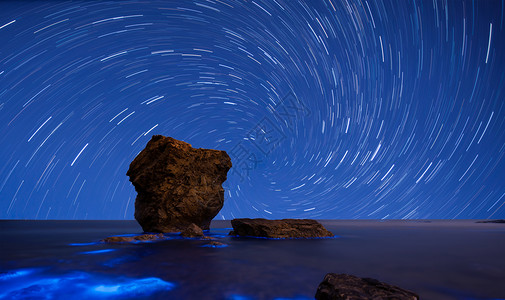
[349, 287]
[177, 185]
[285, 228]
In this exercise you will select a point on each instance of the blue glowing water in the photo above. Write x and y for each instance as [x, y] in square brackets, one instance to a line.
[98, 251]
[65, 260]
[37, 283]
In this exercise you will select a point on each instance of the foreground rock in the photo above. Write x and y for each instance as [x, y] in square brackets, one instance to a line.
[133, 239]
[285, 228]
[177, 185]
[348, 287]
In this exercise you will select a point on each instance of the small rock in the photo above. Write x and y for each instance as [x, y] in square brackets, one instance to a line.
[215, 244]
[491, 221]
[192, 231]
[349, 287]
[285, 228]
[133, 239]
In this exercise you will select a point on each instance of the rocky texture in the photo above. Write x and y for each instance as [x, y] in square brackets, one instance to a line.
[285, 228]
[177, 185]
[192, 231]
[133, 239]
[349, 287]
[491, 221]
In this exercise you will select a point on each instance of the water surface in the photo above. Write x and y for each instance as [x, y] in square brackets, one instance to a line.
[436, 259]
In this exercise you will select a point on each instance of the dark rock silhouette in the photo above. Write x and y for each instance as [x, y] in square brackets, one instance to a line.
[492, 221]
[192, 231]
[285, 228]
[177, 185]
[349, 287]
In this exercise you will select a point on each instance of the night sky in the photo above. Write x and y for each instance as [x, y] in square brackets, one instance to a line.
[329, 109]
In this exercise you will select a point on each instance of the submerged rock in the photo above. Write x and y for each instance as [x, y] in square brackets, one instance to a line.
[133, 239]
[177, 185]
[349, 287]
[192, 231]
[285, 228]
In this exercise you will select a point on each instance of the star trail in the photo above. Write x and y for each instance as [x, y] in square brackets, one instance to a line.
[334, 109]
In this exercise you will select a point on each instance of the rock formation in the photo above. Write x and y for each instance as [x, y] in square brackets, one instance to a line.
[349, 287]
[143, 238]
[177, 185]
[285, 228]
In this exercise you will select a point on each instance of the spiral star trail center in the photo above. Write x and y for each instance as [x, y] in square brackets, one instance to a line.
[328, 109]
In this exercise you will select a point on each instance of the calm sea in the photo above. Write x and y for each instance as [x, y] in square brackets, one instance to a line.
[62, 260]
